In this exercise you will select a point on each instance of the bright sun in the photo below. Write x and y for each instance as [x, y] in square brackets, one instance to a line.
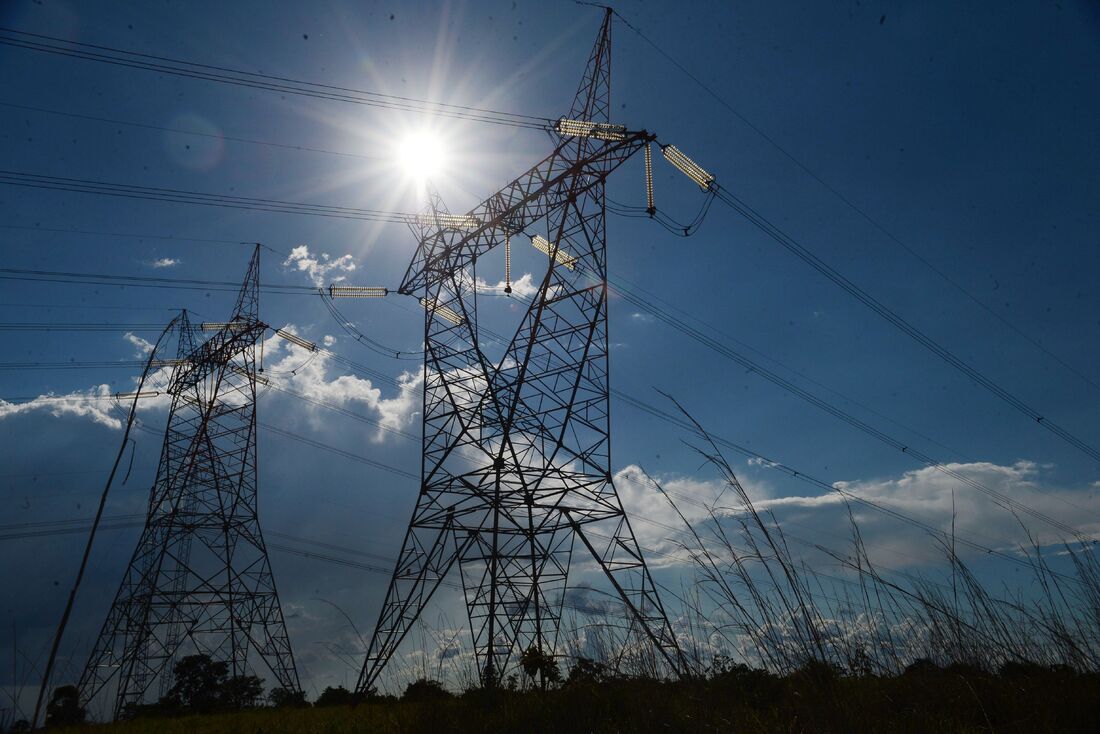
[421, 156]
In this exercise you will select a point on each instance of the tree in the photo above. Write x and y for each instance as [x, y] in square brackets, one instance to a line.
[241, 692]
[338, 696]
[536, 662]
[64, 708]
[198, 681]
[203, 685]
[425, 689]
[587, 671]
[284, 698]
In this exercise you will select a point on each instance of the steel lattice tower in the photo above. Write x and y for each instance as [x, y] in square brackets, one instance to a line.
[516, 454]
[200, 580]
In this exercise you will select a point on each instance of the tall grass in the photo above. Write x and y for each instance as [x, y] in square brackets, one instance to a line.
[761, 605]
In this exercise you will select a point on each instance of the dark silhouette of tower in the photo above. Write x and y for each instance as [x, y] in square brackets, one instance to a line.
[200, 581]
[516, 453]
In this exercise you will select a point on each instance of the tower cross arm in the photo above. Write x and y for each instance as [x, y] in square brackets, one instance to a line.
[452, 244]
[218, 351]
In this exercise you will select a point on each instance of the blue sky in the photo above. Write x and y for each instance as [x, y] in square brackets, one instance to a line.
[966, 131]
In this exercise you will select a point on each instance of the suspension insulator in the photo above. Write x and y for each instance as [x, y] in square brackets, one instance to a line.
[650, 207]
[507, 263]
[443, 312]
[356, 291]
[688, 167]
[544, 246]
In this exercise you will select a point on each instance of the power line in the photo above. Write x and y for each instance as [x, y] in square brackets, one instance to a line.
[128, 235]
[750, 365]
[177, 196]
[1001, 499]
[619, 283]
[355, 333]
[145, 281]
[874, 222]
[792, 246]
[58, 326]
[340, 452]
[268, 82]
[196, 133]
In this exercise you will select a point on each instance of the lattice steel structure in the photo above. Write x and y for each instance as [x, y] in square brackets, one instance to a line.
[516, 454]
[200, 580]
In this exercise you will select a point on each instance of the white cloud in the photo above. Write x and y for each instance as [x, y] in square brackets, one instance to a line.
[94, 403]
[656, 524]
[926, 494]
[759, 461]
[287, 365]
[938, 500]
[319, 267]
[309, 373]
[524, 287]
[142, 347]
[641, 318]
[165, 262]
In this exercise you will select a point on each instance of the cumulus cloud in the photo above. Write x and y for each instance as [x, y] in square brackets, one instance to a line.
[94, 403]
[165, 262]
[320, 267]
[655, 522]
[524, 287]
[311, 374]
[940, 501]
[759, 461]
[934, 498]
[142, 347]
[287, 366]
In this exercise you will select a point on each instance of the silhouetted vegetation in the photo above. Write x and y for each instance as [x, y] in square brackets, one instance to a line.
[338, 696]
[203, 686]
[773, 644]
[424, 689]
[283, 698]
[731, 697]
[64, 708]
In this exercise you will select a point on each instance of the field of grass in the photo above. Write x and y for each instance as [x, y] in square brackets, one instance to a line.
[771, 643]
[952, 700]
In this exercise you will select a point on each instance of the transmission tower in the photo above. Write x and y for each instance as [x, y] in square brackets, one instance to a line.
[516, 453]
[200, 581]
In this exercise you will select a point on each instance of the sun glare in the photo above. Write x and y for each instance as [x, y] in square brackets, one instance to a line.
[421, 156]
